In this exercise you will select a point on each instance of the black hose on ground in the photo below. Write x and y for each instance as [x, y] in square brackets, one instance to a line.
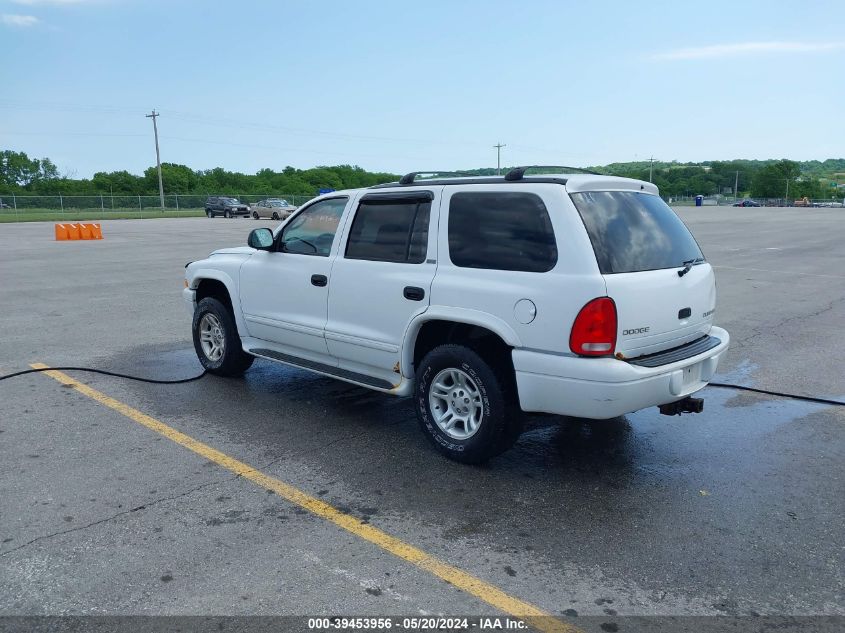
[105, 373]
[154, 381]
[778, 393]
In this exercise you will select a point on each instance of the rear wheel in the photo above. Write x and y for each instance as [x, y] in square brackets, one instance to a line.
[216, 339]
[466, 407]
[255, 215]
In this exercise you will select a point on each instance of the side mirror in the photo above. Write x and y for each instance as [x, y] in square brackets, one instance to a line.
[262, 239]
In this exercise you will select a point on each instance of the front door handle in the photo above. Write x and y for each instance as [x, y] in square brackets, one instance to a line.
[413, 293]
[319, 280]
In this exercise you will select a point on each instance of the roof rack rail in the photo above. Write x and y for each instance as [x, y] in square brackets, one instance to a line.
[408, 179]
[518, 172]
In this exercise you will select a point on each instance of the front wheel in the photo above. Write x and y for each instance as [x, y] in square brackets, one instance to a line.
[226, 214]
[209, 213]
[464, 406]
[216, 339]
[275, 215]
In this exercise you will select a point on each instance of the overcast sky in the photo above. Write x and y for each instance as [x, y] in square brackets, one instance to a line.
[427, 85]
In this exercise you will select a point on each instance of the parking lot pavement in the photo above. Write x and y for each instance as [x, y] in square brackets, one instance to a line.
[733, 511]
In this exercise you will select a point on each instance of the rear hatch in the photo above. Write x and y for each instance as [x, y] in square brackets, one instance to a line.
[641, 246]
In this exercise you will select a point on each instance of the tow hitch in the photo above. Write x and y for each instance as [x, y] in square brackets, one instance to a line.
[687, 405]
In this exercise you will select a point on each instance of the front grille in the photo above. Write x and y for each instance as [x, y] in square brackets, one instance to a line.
[698, 346]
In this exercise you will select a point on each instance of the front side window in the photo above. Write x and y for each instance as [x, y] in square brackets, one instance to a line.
[312, 231]
[390, 231]
[633, 232]
[501, 231]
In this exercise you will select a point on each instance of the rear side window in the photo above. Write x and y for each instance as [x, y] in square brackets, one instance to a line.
[390, 231]
[501, 231]
[633, 232]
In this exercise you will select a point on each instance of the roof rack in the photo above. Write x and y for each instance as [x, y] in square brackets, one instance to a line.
[518, 172]
[408, 179]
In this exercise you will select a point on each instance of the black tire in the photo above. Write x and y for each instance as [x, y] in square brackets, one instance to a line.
[226, 214]
[255, 215]
[234, 361]
[501, 419]
[209, 213]
[275, 215]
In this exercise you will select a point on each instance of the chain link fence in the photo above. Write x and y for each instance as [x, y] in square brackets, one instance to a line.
[104, 204]
[720, 200]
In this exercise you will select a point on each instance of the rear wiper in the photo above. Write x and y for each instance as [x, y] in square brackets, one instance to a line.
[689, 264]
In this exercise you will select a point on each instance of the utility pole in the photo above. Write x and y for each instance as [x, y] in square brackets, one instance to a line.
[499, 147]
[153, 116]
[736, 187]
[650, 167]
[786, 198]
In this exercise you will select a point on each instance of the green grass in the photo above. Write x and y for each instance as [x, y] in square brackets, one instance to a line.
[83, 215]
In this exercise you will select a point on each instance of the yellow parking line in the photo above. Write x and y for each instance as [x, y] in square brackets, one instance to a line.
[494, 596]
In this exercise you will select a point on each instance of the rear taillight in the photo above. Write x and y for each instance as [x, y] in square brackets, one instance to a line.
[594, 330]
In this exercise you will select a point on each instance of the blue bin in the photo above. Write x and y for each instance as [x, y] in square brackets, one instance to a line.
[699, 200]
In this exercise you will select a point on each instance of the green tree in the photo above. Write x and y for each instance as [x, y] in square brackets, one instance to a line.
[19, 170]
[771, 180]
[121, 182]
[176, 179]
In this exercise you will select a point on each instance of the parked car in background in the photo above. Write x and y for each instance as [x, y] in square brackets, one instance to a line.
[747, 203]
[226, 206]
[273, 208]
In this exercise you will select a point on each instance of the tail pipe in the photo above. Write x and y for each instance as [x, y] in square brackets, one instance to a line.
[687, 405]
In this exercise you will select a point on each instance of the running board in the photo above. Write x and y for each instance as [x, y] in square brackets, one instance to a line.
[337, 372]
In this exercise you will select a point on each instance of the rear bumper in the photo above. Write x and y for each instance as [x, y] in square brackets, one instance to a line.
[602, 388]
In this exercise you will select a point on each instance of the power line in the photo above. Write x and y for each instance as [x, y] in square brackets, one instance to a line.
[230, 123]
[213, 121]
[153, 116]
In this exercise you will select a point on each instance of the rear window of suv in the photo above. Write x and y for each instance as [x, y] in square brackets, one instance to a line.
[634, 232]
[501, 231]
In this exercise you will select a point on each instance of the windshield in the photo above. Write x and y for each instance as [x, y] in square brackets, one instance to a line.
[231, 201]
[633, 232]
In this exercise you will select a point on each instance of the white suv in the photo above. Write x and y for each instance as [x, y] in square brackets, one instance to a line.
[577, 294]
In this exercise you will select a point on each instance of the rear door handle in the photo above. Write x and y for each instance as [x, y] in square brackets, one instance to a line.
[319, 280]
[413, 293]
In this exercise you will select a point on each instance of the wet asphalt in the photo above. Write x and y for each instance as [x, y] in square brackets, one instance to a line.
[735, 511]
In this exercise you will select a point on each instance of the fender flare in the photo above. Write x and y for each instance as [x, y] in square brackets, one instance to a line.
[456, 315]
[217, 275]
